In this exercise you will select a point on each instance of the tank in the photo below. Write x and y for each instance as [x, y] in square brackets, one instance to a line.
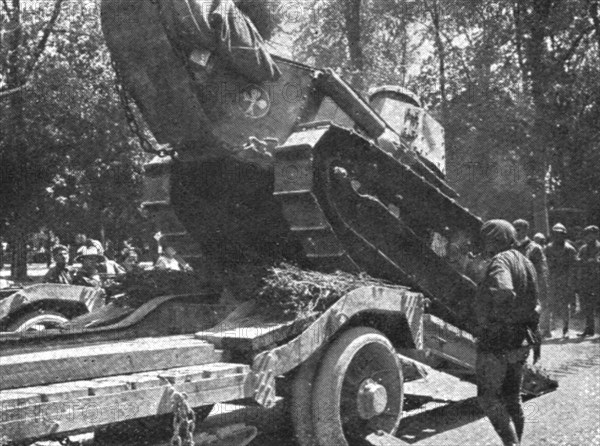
[271, 160]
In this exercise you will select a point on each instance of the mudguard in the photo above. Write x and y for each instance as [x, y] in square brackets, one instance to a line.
[92, 298]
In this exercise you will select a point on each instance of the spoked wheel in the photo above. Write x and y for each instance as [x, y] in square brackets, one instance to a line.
[358, 390]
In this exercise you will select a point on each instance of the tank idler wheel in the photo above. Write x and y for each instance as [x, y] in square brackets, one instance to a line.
[358, 389]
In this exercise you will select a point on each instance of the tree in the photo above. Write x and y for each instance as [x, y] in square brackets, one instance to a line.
[25, 42]
[79, 166]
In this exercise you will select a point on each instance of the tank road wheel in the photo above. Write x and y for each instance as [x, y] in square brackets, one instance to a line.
[359, 389]
[301, 402]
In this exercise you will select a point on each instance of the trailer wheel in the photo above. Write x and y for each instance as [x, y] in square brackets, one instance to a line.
[301, 402]
[38, 320]
[359, 389]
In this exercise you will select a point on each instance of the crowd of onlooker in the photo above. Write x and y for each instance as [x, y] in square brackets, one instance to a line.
[95, 264]
[568, 270]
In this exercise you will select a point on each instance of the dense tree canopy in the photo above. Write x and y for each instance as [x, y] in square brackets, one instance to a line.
[515, 82]
[67, 159]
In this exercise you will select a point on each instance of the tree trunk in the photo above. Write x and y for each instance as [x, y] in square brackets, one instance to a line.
[353, 34]
[16, 130]
[441, 52]
[18, 264]
[539, 79]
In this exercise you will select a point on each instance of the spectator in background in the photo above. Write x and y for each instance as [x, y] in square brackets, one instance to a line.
[89, 274]
[535, 253]
[82, 242]
[588, 278]
[131, 261]
[577, 239]
[60, 272]
[540, 239]
[561, 256]
[169, 260]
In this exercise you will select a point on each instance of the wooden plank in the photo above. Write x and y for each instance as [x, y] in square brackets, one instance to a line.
[73, 364]
[252, 335]
[22, 423]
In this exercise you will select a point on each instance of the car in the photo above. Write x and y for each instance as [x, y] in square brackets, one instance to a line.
[47, 305]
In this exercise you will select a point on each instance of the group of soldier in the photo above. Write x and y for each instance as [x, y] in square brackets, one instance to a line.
[510, 320]
[564, 273]
[94, 263]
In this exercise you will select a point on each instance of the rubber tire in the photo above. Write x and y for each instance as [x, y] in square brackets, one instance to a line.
[300, 406]
[330, 378]
[35, 317]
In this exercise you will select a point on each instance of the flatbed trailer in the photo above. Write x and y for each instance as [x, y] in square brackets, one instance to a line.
[55, 387]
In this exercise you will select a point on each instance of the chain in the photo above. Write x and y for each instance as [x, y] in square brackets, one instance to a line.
[184, 421]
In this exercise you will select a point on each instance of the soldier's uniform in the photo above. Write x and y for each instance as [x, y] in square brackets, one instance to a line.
[561, 264]
[59, 273]
[588, 278]
[508, 313]
[535, 253]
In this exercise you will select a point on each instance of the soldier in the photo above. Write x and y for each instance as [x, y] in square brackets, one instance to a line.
[540, 239]
[535, 253]
[60, 272]
[561, 257]
[588, 277]
[507, 314]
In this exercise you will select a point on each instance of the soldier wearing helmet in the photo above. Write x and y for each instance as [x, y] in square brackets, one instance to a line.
[561, 257]
[535, 253]
[588, 277]
[507, 312]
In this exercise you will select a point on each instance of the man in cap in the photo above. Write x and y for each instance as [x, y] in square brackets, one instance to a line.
[535, 253]
[588, 277]
[561, 257]
[60, 272]
[507, 313]
[89, 275]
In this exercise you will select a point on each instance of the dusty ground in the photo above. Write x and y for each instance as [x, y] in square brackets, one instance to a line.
[568, 416]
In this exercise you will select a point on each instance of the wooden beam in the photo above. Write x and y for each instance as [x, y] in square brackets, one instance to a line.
[72, 412]
[103, 360]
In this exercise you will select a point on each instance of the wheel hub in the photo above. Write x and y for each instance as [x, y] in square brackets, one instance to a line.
[372, 399]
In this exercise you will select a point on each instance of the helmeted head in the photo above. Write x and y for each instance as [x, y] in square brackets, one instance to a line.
[60, 253]
[591, 233]
[559, 232]
[522, 228]
[540, 239]
[498, 236]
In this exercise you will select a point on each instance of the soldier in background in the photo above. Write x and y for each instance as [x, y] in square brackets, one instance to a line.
[540, 239]
[588, 277]
[60, 272]
[535, 253]
[561, 256]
